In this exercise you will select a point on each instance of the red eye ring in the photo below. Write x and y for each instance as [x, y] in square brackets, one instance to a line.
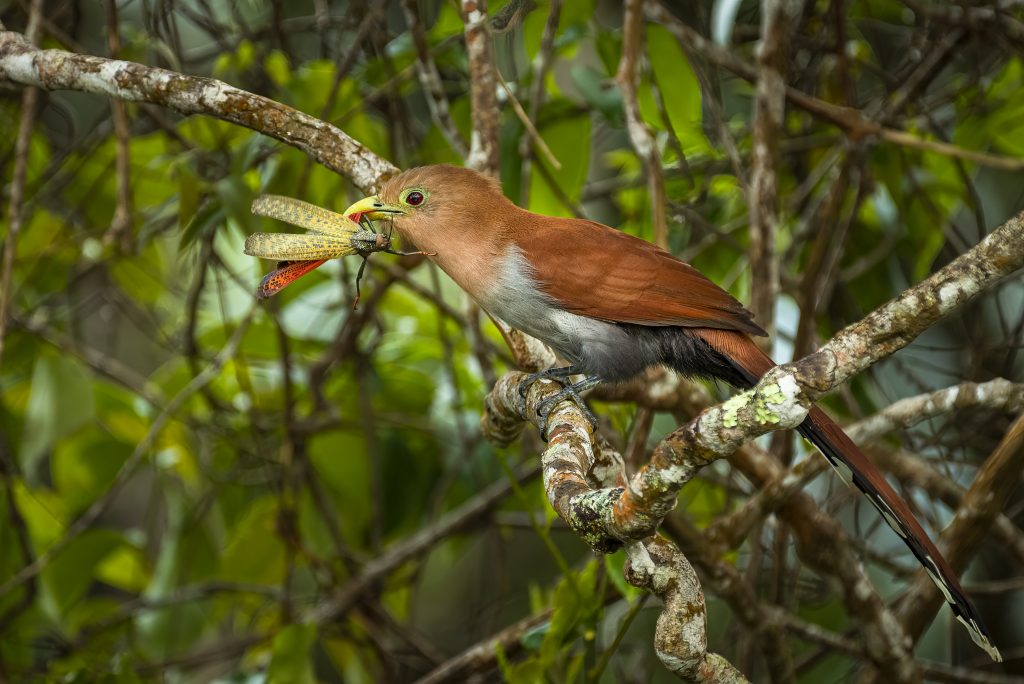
[414, 198]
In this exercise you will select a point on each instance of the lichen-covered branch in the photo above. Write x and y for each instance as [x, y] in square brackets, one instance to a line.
[606, 516]
[895, 324]
[1000, 394]
[726, 580]
[21, 62]
[680, 638]
[576, 466]
[780, 400]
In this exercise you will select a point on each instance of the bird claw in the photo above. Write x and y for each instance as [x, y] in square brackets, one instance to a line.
[569, 390]
[560, 375]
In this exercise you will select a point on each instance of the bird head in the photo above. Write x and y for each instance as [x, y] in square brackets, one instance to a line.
[435, 205]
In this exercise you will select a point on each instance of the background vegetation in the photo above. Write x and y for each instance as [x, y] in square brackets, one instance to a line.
[197, 486]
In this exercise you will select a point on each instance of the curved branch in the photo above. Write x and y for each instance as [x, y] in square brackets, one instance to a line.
[606, 517]
[680, 638]
[21, 62]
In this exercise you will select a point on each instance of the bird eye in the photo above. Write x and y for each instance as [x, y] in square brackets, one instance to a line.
[414, 198]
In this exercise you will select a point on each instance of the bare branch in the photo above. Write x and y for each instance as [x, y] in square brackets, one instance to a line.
[640, 135]
[128, 468]
[850, 120]
[15, 217]
[681, 634]
[484, 146]
[120, 231]
[769, 110]
[430, 80]
[603, 517]
[481, 657]
[454, 521]
[979, 508]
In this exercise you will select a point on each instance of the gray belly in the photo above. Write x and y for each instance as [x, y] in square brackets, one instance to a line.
[595, 347]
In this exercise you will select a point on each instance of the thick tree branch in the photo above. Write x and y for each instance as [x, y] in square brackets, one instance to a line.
[607, 516]
[22, 63]
[780, 400]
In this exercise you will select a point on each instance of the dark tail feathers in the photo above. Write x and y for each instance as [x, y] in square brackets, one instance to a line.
[855, 468]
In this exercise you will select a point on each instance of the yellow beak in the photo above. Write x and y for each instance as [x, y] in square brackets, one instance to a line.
[374, 209]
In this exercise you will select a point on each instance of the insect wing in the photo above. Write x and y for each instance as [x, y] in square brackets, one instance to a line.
[280, 278]
[293, 247]
[304, 215]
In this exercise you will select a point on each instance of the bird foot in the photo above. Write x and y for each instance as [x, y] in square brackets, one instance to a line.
[559, 375]
[569, 390]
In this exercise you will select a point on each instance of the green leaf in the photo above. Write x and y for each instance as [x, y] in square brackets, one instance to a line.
[255, 552]
[188, 198]
[85, 465]
[278, 68]
[598, 91]
[533, 638]
[125, 569]
[569, 140]
[290, 662]
[61, 402]
[679, 88]
[71, 572]
[613, 564]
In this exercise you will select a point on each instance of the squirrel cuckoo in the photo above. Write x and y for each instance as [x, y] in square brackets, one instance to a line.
[613, 305]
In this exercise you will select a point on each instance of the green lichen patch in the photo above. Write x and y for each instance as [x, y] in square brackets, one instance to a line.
[731, 409]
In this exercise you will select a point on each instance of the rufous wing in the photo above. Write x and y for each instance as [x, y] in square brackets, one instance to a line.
[596, 271]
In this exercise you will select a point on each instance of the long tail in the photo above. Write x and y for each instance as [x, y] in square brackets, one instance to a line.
[855, 468]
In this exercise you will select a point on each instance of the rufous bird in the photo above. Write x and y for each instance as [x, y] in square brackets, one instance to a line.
[614, 305]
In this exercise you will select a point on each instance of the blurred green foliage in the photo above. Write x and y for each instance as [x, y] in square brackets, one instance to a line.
[327, 435]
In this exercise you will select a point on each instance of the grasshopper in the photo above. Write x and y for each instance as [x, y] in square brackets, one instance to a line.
[329, 235]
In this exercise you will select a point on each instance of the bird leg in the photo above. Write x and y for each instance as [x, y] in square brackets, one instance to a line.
[569, 391]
